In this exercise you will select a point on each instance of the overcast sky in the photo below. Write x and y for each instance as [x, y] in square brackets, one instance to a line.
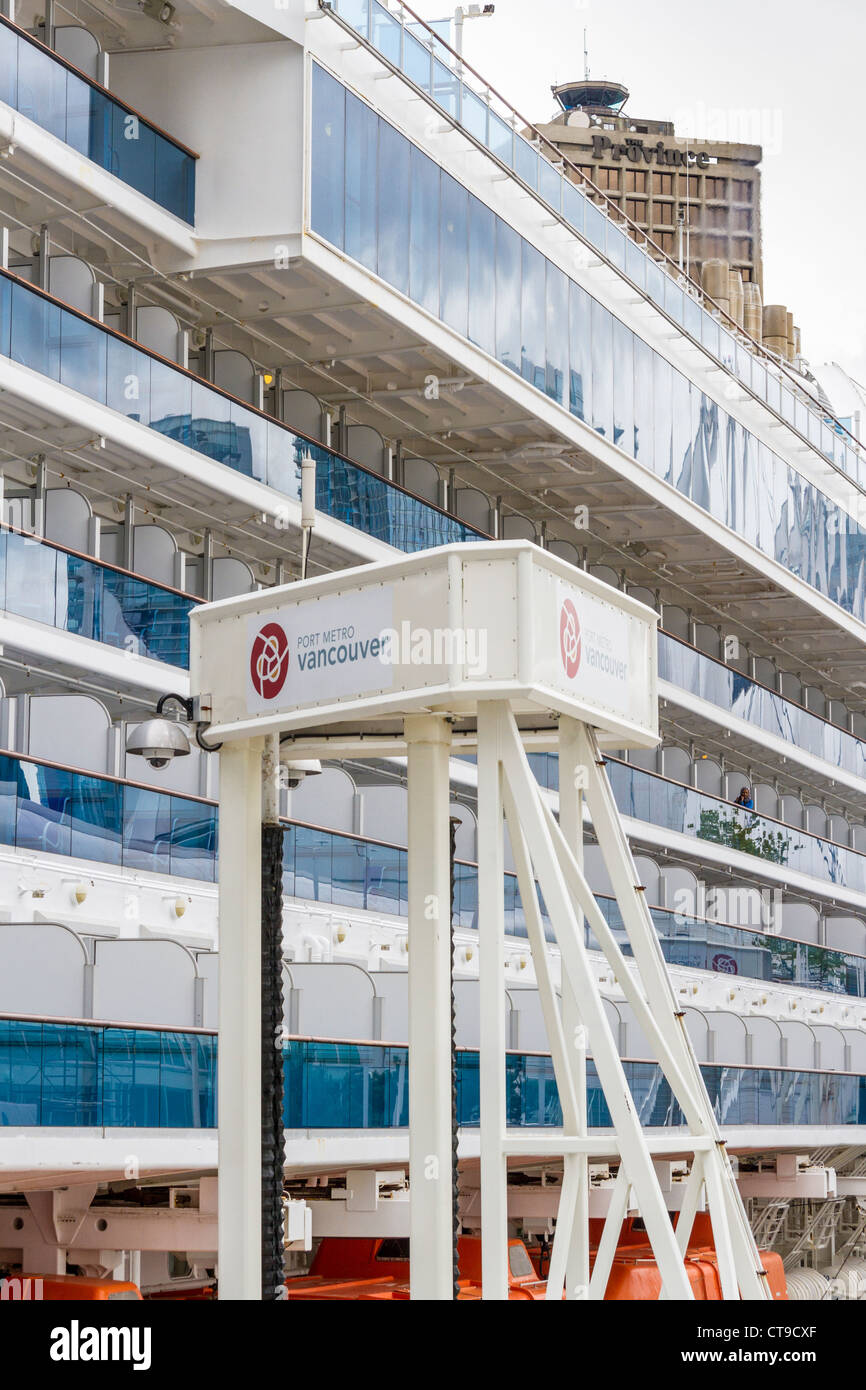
[789, 73]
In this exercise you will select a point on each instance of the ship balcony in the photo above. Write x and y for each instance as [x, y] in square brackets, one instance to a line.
[76, 1076]
[69, 144]
[742, 721]
[99, 408]
[82, 816]
[109, 623]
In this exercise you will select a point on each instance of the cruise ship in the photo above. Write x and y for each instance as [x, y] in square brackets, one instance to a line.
[246, 245]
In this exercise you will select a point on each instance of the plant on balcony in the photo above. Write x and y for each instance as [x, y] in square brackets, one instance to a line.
[747, 833]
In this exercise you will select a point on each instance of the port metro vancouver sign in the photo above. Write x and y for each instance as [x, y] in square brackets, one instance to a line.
[437, 631]
[599, 649]
[302, 654]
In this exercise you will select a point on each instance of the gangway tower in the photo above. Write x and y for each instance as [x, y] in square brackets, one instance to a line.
[492, 649]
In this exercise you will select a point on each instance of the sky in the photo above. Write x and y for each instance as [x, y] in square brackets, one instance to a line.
[785, 74]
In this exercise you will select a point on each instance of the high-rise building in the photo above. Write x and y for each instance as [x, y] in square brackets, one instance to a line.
[698, 199]
[236, 238]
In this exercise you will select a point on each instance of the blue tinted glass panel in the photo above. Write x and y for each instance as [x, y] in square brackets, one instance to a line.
[507, 296]
[327, 179]
[663, 417]
[71, 1077]
[572, 205]
[580, 353]
[386, 33]
[644, 444]
[556, 371]
[602, 370]
[482, 276]
[445, 88]
[594, 224]
[42, 89]
[710, 334]
[192, 839]
[362, 137]
[417, 62]
[454, 265]
[8, 66]
[356, 13]
[532, 316]
[131, 1069]
[349, 871]
[623, 387]
[474, 116]
[501, 139]
[128, 380]
[8, 798]
[83, 349]
[615, 244]
[635, 263]
[549, 183]
[35, 339]
[313, 877]
[134, 151]
[78, 114]
[96, 819]
[146, 830]
[424, 231]
[525, 161]
[681, 433]
[393, 205]
[44, 808]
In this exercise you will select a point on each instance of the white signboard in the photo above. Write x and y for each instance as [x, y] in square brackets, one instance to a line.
[439, 630]
[311, 653]
[594, 648]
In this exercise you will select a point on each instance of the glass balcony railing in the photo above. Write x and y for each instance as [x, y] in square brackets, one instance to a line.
[47, 584]
[90, 598]
[63, 345]
[329, 867]
[410, 46]
[58, 810]
[673, 806]
[49, 91]
[657, 800]
[88, 1075]
[733, 692]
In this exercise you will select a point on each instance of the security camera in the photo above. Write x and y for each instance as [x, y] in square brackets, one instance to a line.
[294, 771]
[158, 741]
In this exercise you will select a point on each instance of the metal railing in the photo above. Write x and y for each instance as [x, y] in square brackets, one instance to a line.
[49, 90]
[65, 345]
[105, 1076]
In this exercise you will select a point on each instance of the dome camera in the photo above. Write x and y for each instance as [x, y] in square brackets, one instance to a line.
[295, 770]
[158, 741]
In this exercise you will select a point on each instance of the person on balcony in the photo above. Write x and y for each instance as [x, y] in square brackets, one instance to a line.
[745, 799]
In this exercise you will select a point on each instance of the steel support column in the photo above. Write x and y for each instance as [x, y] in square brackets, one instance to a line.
[572, 781]
[491, 932]
[239, 1092]
[428, 740]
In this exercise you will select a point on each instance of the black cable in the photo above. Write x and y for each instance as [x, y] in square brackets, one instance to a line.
[272, 1064]
[453, 823]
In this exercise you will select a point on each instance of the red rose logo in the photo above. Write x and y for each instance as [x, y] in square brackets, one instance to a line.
[569, 638]
[269, 661]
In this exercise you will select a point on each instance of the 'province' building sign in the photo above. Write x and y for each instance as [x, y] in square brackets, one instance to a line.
[636, 152]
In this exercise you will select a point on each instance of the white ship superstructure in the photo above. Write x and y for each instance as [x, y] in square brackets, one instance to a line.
[240, 237]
